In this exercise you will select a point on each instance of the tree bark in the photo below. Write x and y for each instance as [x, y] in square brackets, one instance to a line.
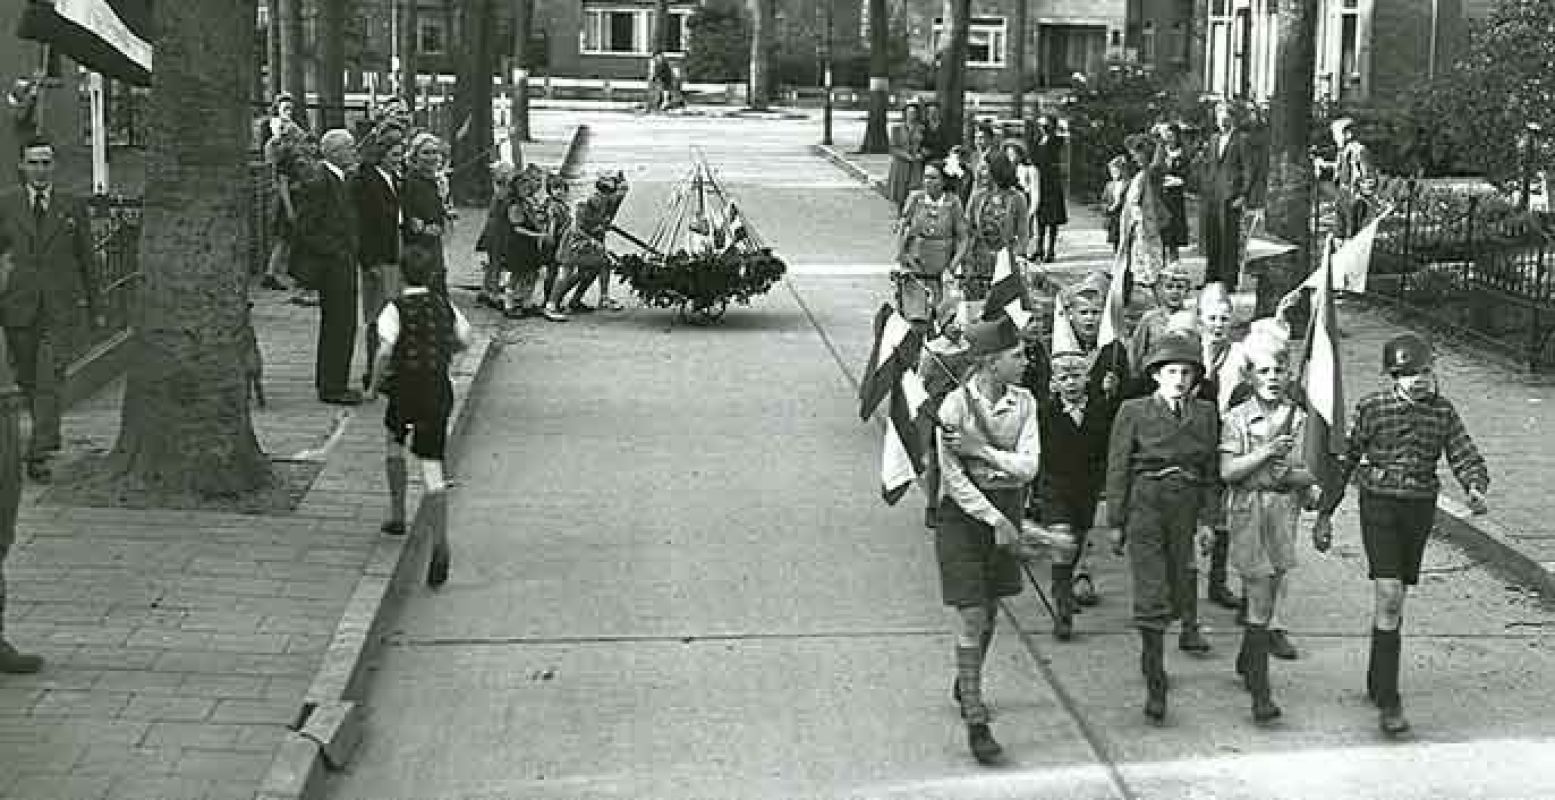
[472, 122]
[761, 44]
[332, 63]
[522, 11]
[1289, 202]
[410, 40]
[277, 81]
[1017, 68]
[876, 138]
[293, 70]
[952, 68]
[185, 429]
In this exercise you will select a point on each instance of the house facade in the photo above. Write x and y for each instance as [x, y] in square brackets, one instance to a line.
[1365, 48]
[1063, 37]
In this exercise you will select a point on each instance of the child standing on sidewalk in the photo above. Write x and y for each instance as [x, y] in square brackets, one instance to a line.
[1398, 436]
[1162, 478]
[1265, 492]
[1112, 196]
[418, 334]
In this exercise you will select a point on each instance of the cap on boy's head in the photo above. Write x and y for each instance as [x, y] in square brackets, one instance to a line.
[1213, 295]
[1406, 354]
[992, 336]
[1174, 271]
[1176, 347]
[1341, 125]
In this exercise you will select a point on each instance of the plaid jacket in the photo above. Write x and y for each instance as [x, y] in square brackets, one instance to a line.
[1395, 444]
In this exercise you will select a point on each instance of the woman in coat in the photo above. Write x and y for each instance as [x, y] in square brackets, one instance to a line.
[425, 216]
[906, 156]
[1047, 154]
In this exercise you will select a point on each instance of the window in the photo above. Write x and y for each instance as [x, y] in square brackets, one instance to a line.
[431, 36]
[1349, 24]
[679, 30]
[1147, 43]
[616, 31]
[1218, 60]
[985, 41]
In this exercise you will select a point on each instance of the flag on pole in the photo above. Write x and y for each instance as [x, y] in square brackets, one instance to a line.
[1321, 382]
[112, 37]
[904, 454]
[1006, 285]
[1111, 344]
[1351, 262]
[894, 352]
[1065, 340]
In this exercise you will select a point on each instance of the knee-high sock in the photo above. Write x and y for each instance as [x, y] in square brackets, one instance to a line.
[1387, 646]
[969, 673]
[394, 469]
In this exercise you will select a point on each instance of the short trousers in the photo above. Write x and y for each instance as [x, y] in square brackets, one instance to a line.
[418, 410]
[1262, 527]
[1078, 513]
[973, 571]
[1394, 531]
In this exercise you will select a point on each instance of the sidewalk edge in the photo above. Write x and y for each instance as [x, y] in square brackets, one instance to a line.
[1495, 545]
[839, 160]
[298, 769]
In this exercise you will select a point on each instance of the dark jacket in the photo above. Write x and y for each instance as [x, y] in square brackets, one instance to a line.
[326, 236]
[1147, 439]
[1074, 457]
[54, 272]
[378, 217]
[1223, 177]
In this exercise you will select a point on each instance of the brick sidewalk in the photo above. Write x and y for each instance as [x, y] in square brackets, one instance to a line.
[180, 644]
[1510, 414]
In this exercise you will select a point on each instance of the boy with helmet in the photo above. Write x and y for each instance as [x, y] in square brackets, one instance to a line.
[1162, 486]
[1397, 437]
[1265, 492]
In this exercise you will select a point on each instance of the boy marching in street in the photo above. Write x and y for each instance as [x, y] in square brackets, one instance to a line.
[1171, 294]
[1397, 437]
[988, 451]
[1265, 493]
[418, 334]
[1162, 486]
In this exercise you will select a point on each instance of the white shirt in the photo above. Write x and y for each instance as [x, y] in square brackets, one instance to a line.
[43, 195]
[389, 322]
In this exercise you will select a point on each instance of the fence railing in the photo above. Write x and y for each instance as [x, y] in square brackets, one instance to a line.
[115, 223]
[1472, 260]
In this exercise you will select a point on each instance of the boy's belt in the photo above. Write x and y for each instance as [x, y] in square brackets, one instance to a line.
[1171, 472]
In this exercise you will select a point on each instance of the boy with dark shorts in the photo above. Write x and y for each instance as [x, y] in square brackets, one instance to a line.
[1398, 436]
[418, 334]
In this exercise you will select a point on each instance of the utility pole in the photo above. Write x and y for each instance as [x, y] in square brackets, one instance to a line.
[518, 129]
[826, 55]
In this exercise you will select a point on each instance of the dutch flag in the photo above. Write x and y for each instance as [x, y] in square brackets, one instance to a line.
[113, 37]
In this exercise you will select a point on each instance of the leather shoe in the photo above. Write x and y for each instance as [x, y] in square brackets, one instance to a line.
[1192, 641]
[14, 663]
[393, 527]
[349, 397]
[1280, 646]
[39, 472]
[984, 747]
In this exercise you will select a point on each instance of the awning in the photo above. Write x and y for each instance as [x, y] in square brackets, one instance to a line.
[109, 36]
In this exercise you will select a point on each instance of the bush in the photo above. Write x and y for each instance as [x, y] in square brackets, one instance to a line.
[720, 46]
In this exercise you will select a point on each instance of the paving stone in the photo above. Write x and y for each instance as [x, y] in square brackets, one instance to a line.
[72, 703]
[163, 708]
[219, 686]
[277, 712]
[123, 759]
[143, 681]
[135, 787]
[61, 787]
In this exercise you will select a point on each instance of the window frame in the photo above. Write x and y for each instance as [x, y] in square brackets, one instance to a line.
[426, 23]
[642, 21]
[997, 29]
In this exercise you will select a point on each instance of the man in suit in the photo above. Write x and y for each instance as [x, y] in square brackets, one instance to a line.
[325, 249]
[1225, 176]
[53, 278]
[375, 190]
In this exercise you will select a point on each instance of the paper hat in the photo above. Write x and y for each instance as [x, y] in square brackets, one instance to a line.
[1065, 341]
[1214, 294]
[993, 336]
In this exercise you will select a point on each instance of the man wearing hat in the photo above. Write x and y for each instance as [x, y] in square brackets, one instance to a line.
[988, 452]
[1398, 436]
[1266, 489]
[1162, 486]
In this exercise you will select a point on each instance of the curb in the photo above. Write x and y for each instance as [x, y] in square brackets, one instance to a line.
[1496, 546]
[829, 152]
[328, 724]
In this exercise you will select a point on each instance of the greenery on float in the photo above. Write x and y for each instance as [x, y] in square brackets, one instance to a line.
[701, 281]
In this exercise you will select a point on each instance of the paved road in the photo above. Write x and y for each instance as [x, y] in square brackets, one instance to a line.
[673, 579]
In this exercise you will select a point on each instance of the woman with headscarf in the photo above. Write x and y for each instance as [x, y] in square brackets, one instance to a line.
[998, 219]
[425, 216]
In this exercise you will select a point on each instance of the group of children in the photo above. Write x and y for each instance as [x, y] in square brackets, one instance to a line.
[1193, 441]
[534, 240]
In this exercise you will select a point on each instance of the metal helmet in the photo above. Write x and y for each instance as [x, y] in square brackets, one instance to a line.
[1406, 354]
[1176, 347]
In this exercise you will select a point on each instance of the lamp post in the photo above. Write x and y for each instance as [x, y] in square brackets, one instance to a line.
[1527, 141]
[826, 48]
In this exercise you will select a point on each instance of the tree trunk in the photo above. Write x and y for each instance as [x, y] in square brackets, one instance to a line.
[952, 69]
[471, 122]
[332, 63]
[661, 26]
[1289, 203]
[185, 431]
[1017, 69]
[522, 11]
[277, 81]
[761, 44]
[876, 138]
[410, 40]
[293, 70]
